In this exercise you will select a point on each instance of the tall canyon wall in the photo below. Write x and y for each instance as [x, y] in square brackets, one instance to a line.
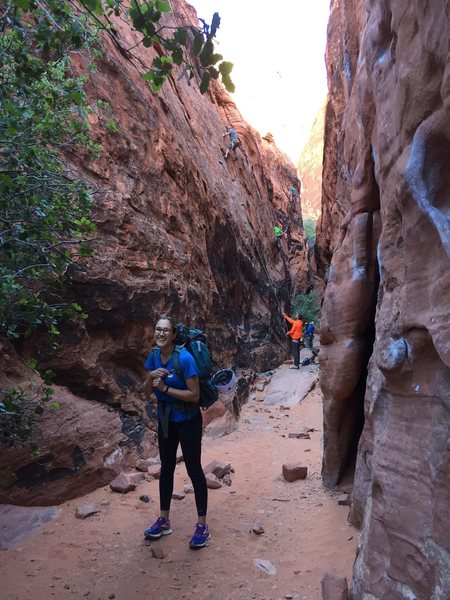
[383, 245]
[177, 233]
[309, 167]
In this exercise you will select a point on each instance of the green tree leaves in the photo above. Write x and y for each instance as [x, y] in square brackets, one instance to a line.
[205, 82]
[225, 69]
[23, 4]
[44, 213]
[146, 14]
[307, 305]
[163, 6]
[215, 24]
[184, 40]
[94, 6]
[198, 42]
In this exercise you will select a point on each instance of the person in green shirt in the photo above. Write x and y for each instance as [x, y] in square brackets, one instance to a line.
[277, 231]
[278, 235]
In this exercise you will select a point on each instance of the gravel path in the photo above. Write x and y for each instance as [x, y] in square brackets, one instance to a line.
[305, 530]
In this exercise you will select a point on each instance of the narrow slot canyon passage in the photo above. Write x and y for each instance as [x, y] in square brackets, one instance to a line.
[224, 308]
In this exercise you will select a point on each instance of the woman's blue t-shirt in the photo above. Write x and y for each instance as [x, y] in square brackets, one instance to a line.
[188, 368]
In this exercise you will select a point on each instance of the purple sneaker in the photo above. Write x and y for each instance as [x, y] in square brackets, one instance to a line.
[160, 527]
[200, 537]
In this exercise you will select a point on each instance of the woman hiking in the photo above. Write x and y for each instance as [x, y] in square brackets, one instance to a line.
[179, 422]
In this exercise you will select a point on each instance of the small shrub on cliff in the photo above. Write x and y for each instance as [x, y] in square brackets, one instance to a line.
[19, 408]
[112, 126]
[307, 305]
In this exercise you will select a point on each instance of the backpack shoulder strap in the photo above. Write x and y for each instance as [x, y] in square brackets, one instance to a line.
[179, 404]
[153, 355]
[176, 360]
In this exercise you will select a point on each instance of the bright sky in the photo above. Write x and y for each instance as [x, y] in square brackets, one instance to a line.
[278, 50]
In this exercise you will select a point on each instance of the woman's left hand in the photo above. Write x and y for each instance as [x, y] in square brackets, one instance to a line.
[159, 383]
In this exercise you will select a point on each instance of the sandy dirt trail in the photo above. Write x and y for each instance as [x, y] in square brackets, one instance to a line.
[105, 556]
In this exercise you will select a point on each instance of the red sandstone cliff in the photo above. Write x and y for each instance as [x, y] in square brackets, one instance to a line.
[385, 359]
[310, 168]
[178, 233]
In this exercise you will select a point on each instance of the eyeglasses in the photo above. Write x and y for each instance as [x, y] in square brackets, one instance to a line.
[165, 331]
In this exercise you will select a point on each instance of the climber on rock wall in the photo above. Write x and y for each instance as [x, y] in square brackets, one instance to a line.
[293, 193]
[278, 235]
[234, 141]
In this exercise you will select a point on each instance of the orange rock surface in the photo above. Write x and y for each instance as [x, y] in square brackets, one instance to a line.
[383, 244]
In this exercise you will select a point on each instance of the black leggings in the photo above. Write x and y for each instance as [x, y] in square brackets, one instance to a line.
[189, 435]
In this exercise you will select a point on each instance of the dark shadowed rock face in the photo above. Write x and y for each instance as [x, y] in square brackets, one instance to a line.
[385, 332]
[178, 233]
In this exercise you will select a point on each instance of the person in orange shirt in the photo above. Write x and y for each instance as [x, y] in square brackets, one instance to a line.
[295, 334]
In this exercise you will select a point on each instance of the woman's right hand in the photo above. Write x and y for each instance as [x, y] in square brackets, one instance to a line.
[159, 373]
